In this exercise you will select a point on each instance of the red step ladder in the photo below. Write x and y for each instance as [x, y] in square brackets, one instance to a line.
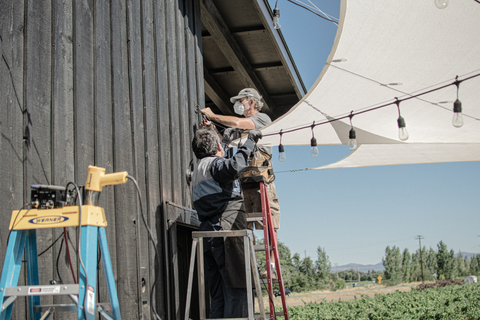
[270, 242]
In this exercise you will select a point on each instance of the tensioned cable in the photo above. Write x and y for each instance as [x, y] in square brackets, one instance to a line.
[325, 14]
[312, 11]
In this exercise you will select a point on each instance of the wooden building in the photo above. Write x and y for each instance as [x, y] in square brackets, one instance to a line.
[115, 84]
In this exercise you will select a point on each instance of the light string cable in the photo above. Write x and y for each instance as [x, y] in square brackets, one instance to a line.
[391, 86]
[282, 131]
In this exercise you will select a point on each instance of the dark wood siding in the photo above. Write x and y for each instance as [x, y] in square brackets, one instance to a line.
[112, 84]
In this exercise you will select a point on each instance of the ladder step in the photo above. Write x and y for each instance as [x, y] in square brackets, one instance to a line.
[46, 290]
[259, 247]
[255, 215]
[58, 307]
[265, 281]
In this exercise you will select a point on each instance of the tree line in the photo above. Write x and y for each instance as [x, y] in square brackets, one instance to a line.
[305, 274]
[437, 265]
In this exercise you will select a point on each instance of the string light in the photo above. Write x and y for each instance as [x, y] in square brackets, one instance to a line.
[276, 17]
[313, 144]
[441, 4]
[457, 109]
[352, 136]
[402, 130]
[281, 150]
[403, 134]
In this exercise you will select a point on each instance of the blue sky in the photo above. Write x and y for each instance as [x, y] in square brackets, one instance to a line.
[355, 213]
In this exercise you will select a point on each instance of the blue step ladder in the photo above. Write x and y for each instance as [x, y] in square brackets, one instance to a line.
[19, 241]
[23, 238]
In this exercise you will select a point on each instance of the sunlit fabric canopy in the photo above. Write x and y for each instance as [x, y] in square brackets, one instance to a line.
[395, 49]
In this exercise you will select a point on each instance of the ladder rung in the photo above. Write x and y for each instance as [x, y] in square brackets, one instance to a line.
[255, 215]
[58, 307]
[259, 247]
[47, 290]
[105, 305]
[265, 281]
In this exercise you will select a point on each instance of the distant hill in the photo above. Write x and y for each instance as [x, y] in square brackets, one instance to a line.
[379, 266]
[360, 267]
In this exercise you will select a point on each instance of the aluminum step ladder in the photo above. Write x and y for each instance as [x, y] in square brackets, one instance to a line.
[250, 268]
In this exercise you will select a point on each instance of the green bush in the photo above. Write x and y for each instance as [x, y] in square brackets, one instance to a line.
[339, 285]
[452, 302]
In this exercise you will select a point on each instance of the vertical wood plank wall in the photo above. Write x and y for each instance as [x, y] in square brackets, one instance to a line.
[106, 83]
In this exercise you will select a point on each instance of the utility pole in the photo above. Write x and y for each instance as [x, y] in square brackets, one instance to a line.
[419, 237]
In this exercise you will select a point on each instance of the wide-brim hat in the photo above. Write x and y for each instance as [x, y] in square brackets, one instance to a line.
[247, 92]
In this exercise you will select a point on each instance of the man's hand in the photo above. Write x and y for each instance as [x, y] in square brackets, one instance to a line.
[207, 124]
[254, 135]
[228, 135]
[207, 112]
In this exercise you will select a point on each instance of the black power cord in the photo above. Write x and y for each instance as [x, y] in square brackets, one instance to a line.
[153, 242]
[79, 255]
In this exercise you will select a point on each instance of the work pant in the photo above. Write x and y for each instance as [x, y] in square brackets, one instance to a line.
[253, 203]
[224, 302]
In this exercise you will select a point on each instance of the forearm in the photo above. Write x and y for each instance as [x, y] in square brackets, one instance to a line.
[232, 122]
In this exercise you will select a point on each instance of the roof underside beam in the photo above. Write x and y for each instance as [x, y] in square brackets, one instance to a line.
[213, 22]
[216, 94]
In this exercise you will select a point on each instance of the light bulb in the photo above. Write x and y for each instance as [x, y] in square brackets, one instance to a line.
[457, 114]
[276, 18]
[402, 130]
[314, 148]
[352, 140]
[441, 4]
[281, 153]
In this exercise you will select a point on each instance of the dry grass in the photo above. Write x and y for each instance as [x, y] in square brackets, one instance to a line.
[298, 299]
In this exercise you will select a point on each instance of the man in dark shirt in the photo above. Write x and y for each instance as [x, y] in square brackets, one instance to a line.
[219, 205]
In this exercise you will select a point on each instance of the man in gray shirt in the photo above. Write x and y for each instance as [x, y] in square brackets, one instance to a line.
[248, 103]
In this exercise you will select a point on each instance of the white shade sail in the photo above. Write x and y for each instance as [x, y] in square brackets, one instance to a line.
[394, 49]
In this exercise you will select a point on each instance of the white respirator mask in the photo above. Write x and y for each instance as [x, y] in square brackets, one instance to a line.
[239, 108]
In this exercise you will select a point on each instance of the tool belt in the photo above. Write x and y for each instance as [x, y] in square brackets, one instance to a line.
[260, 167]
